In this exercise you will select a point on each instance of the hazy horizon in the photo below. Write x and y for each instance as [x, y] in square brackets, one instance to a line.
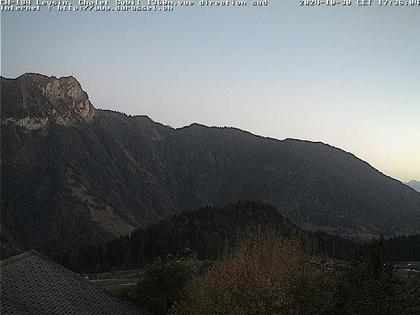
[343, 76]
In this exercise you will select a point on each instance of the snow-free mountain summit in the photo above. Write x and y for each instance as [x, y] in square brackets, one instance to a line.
[73, 174]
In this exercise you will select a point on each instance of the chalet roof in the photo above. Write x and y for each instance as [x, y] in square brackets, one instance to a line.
[33, 284]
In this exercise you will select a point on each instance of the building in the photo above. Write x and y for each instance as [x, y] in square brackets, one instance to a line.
[33, 284]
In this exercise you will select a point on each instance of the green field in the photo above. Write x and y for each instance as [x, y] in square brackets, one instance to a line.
[117, 281]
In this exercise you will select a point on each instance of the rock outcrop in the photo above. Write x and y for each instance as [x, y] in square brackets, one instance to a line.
[39, 100]
[73, 175]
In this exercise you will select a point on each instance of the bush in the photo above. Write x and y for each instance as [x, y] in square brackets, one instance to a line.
[266, 275]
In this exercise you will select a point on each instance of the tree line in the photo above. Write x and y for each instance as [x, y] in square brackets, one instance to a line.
[206, 233]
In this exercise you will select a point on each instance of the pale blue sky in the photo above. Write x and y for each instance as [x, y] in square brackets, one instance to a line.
[345, 76]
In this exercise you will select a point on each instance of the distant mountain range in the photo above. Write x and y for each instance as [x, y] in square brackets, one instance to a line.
[73, 174]
[414, 184]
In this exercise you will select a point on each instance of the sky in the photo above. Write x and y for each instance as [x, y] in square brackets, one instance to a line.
[349, 77]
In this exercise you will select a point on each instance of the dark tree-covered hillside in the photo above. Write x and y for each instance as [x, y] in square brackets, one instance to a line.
[205, 233]
[74, 175]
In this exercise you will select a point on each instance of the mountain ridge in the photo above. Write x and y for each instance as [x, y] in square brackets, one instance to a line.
[415, 184]
[87, 175]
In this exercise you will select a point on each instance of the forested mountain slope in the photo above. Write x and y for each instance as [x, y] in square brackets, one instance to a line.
[206, 234]
[73, 174]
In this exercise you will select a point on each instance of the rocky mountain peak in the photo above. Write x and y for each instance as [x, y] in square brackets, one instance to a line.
[34, 100]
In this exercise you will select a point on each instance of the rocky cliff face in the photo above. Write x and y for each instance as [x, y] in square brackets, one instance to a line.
[33, 101]
[73, 175]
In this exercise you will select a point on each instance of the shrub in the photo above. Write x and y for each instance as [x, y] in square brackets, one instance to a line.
[266, 275]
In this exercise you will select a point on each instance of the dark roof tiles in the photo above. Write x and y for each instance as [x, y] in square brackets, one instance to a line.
[33, 284]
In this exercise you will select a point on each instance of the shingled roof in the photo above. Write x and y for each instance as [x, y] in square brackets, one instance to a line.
[33, 284]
